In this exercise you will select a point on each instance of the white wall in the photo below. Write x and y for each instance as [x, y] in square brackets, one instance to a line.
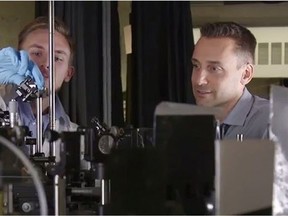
[13, 16]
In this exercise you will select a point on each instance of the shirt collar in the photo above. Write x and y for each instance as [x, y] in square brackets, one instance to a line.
[28, 116]
[238, 114]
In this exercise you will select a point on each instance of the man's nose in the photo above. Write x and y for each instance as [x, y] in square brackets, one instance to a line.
[44, 61]
[201, 77]
[44, 67]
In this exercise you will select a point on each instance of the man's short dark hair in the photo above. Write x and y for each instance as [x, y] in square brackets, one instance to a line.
[245, 41]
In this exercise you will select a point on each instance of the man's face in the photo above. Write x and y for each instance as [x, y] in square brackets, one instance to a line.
[36, 44]
[217, 79]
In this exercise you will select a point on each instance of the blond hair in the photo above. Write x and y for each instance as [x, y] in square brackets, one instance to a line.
[43, 23]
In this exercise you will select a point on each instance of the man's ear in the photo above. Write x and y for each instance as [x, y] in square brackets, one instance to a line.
[70, 73]
[247, 74]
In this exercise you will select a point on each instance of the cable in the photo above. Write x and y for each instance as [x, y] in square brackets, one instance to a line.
[33, 172]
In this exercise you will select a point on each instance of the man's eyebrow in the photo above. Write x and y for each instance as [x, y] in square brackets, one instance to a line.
[209, 61]
[61, 52]
[41, 47]
[214, 62]
[194, 60]
[36, 46]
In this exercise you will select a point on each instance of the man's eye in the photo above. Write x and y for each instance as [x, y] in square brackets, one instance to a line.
[58, 58]
[36, 53]
[195, 66]
[213, 68]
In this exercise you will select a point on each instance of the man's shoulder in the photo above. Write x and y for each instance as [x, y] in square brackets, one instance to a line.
[260, 109]
[65, 124]
[261, 102]
[73, 126]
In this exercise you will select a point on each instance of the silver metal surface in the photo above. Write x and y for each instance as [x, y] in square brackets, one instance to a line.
[239, 137]
[243, 176]
[62, 195]
[105, 191]
[13, 110]
[52, 72]
[52, 98]
[278, 133]
[9, 199]
[39, 147]
[86, 191]
[56, 194]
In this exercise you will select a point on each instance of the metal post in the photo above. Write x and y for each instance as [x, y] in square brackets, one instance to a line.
[56, 194]
[51, 72]
[39, 147]
[13, 109]
[52, 97]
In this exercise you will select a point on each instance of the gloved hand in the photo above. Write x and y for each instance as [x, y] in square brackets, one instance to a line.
[15, 66]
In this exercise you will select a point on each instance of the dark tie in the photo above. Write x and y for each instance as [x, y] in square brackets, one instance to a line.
[223, 130]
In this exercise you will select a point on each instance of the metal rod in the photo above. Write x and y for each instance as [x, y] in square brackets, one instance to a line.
[39, 147]
[51, 72]
[56, 194]
[33, 150]
[13, 109]
[52, 97]
[10, 199]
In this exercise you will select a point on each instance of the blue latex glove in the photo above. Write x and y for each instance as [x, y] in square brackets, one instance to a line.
[15, 66]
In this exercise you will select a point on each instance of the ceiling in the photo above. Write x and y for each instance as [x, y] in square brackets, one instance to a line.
[247, 13]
